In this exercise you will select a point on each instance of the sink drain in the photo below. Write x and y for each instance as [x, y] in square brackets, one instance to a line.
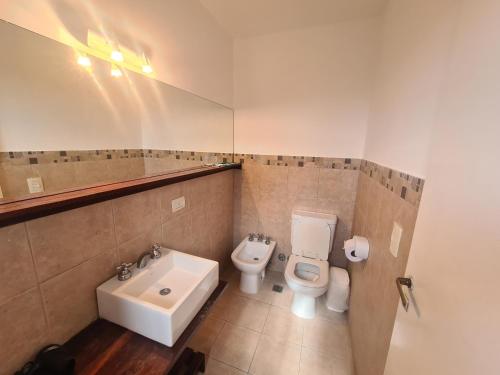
[255, 258]
[165, 291]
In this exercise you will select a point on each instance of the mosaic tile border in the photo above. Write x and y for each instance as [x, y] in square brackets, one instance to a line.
[47, 157]
[407, 187]
[301, 161]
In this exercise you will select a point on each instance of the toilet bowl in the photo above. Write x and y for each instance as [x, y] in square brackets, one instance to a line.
[251, 258]
[307, 269]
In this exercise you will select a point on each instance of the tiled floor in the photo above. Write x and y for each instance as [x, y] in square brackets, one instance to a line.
[258, 334]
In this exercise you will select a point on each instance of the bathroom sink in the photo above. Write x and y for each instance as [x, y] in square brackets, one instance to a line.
[161, 299]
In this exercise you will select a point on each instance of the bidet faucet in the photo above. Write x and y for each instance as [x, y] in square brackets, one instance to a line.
[154, 253]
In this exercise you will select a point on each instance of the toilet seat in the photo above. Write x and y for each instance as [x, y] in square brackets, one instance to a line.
[291, 277]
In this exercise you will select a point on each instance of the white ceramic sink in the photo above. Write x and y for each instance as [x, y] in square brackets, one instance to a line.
[137, 304]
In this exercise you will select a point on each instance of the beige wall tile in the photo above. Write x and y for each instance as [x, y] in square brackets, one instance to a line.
[129, 252]
[55, 176]
[63, 240]
[136, 214]
[70, 298]
[177, 233]
[76, 251]
[17, 273]
[303, 182]
[23, 330]
[196, 191]
[374, 298]
[265, 197]
[337, 184]
[166, 195]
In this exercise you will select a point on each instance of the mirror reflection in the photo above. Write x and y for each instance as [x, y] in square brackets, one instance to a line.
[67, 123]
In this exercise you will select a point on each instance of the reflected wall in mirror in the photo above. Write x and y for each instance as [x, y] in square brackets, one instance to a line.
[64, 127]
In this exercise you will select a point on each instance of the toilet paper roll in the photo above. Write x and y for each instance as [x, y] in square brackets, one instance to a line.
[357, 249]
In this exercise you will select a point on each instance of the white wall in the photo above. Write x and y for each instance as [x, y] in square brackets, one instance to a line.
[411, 65]
[187, 48]
[455, 254]
[305, 92]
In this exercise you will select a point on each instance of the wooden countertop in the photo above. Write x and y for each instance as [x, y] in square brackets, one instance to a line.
[104, 348]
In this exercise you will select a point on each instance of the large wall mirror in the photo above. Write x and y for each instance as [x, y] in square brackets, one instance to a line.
[65, 127]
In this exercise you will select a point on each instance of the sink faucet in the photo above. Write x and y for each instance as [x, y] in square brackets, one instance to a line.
[124, 272]
[154, 253]
[260, 237]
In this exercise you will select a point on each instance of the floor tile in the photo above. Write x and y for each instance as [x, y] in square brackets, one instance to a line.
[235, 346]
[243, 312]
[327, 336]
[275, 358]
[323, 312]
[218, 368]
[206, 335]
[317, 363]
[283, 325]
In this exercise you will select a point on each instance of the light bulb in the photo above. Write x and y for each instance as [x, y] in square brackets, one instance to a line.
[147, 69]
[117, 55]
[84, 60]
[115, 71]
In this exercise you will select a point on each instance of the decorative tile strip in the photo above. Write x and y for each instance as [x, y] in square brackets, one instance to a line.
[300, 161]
[46, 157]
[407, 187]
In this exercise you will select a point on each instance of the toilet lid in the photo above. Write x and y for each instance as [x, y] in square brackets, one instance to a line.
[312, 240]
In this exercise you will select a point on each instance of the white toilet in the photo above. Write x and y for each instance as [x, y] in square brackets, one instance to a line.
[251, 257]
[307, 269]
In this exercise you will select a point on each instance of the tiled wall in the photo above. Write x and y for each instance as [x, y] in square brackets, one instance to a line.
[269, 188]
[383, 197]
[68, 169]
[51, 266]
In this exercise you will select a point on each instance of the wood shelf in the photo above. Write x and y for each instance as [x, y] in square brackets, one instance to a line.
[14, 212]
[104, 348]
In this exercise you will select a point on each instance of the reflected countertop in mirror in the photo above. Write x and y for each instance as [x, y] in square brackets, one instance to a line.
[63, 126]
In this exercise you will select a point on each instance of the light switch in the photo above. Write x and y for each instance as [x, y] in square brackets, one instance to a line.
[397, 232]
[35, 184]
[178, 204]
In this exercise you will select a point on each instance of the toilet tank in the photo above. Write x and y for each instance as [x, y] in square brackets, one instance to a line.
[312, 234]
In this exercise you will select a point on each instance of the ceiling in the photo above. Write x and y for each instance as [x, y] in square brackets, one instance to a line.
[245, 18]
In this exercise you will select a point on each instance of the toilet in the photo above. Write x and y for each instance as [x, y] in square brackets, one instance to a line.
[307, 269]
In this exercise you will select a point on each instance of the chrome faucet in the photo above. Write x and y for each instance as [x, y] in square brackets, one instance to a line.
[268, 240]
[251, 236]
[124, 272]
[154, 253]
[260, 237]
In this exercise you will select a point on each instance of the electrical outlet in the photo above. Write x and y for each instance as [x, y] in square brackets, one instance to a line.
[35, 184]
[397, 232]
[178, 204]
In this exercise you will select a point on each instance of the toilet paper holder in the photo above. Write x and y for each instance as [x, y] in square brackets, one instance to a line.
[357, 249]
